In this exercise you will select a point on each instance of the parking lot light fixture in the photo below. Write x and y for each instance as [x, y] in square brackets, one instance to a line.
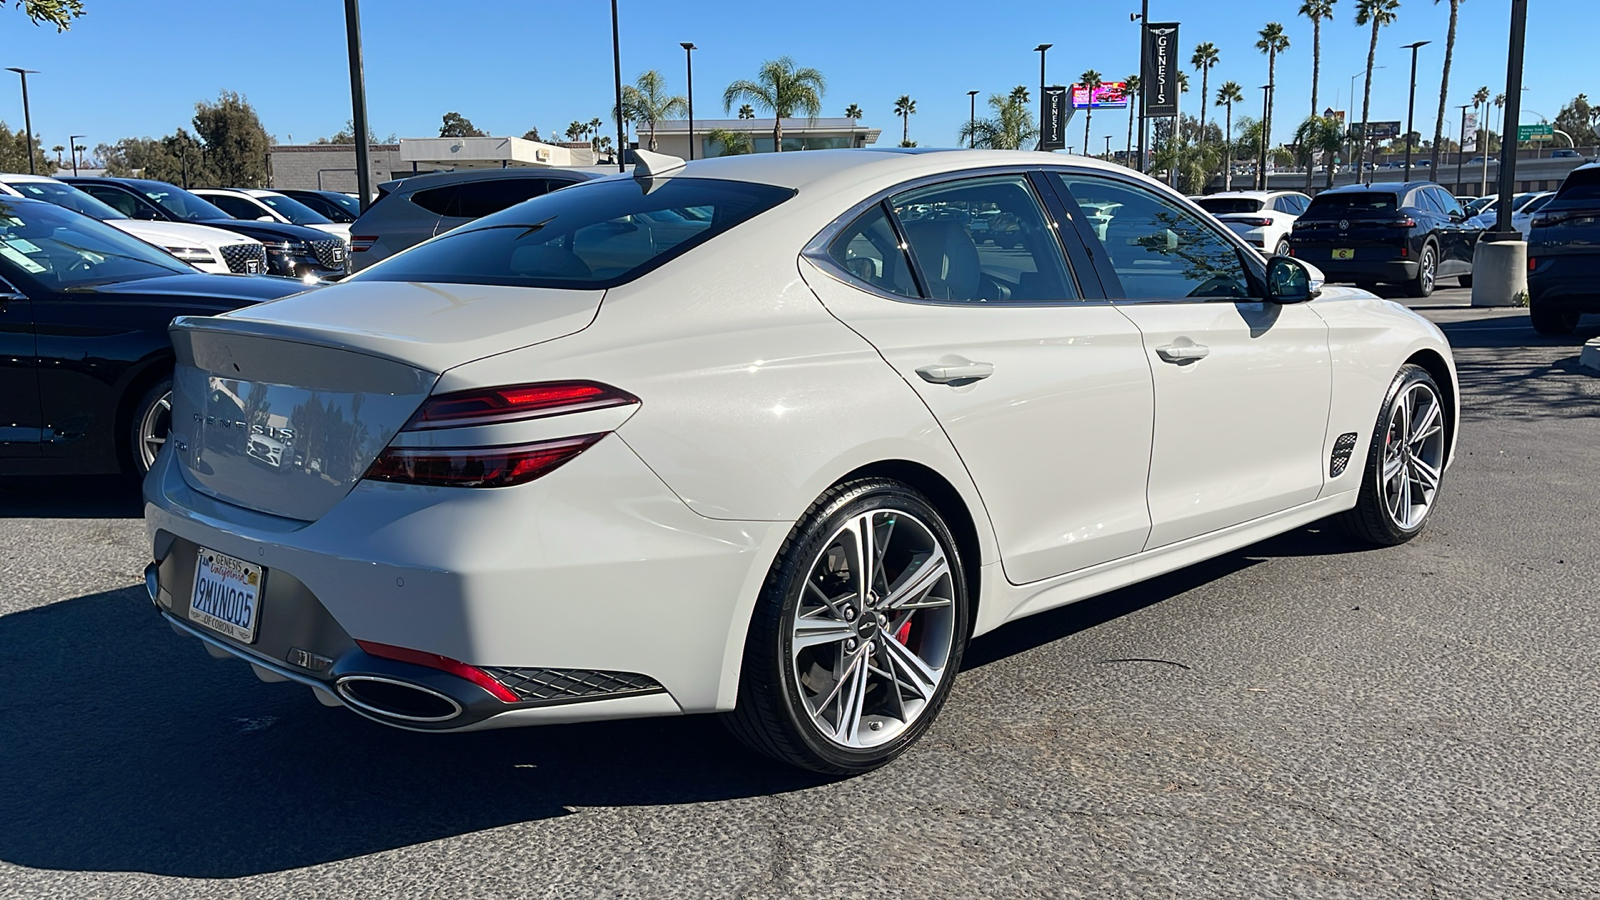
[1041, 51]
[688, 60]
[72, 143]
[972, 119]
[358, 105]
[1411, 102]
[616, 70]
[27, 116]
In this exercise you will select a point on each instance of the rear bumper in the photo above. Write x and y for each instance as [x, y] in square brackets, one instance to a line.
[1566, 281]
[597, 570]
[1361, 271]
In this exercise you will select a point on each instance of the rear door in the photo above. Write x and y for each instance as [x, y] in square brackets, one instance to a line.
[1040, 384]
[1241, 386]
[242, 207]
[21, 425]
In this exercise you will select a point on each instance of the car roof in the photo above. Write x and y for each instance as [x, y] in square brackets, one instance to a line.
[1254, 195]
[435, 179]
[1388, 187]
[19, 178]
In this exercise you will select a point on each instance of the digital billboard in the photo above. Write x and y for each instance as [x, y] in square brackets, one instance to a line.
[1109, 95]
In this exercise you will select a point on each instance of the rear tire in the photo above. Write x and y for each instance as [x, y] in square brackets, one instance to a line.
[1552, 322]
[1427, 272]
[1465, 281]
[814, 689]
[1405, 462]
[1283, 249]
[149, 426]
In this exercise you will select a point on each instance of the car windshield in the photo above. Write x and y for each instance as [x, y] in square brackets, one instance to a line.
[294, 210]
[1537, 204]
[57, 249]
[1223, 205]
[1481, 204]
[183, 205]
[348, 203]
[593, 235]
[1331, 205]
[67, 196]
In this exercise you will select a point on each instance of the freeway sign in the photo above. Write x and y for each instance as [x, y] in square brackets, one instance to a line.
[1535, 132]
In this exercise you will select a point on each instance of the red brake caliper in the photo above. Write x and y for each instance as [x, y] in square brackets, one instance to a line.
[904, 634]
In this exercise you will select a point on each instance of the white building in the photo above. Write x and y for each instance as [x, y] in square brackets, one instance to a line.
[672, 135]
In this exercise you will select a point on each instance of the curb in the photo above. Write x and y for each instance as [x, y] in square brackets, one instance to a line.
[1590, 357]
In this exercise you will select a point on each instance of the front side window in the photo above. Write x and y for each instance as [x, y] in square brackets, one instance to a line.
[870, 250]
[983, 240]
[295, 211]
[237, 207]
[116, 198]
[594, 235]
[184, 206]
[55, 249]
[1159, 250]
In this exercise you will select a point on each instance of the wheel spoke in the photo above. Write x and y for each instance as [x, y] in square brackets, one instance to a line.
[1429, 424]
[882, 546]
[861, 567]
[851, 663]
[854, 699]
[813, 632]
[1392, 467]
[1425, 474]
[920, 679]
[832, 604]
[918, 582]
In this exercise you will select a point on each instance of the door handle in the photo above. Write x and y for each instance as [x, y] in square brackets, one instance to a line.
[1186, 351]
[955, 374]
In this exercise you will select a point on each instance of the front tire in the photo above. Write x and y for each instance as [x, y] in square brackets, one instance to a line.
[1427, 273]
[858, 633]
[150, 424]
[1552, 322]
[1405, 462]
[1465, 281]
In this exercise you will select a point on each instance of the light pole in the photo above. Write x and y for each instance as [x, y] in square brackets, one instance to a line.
[1411, 103]
[1461, 145]
[1350, 116]
[27, 118]
[688, 59]
[1261, 161]
[972, 119]
[1040, 50]
[72, 142]
[616, 71]
[358, 105]
[1512, 114]
[1143, 18]
[1108, 148]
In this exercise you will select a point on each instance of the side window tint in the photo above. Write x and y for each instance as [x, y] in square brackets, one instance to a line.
[435, 200]
[984, 240]
[476, 199]
[1159, 251]
[1283, 205]
[238, 207]
[1452, 206]
[870, 251]
[120, 201]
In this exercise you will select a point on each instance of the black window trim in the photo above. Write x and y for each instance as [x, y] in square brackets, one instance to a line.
[816, 250]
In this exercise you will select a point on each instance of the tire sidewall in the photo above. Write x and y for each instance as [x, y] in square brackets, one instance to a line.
[1403, 381]
[814, 533]
[1425, 283]
[135, 437]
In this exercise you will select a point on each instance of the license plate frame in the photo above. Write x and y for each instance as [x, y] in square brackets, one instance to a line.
[226, 595]
[1344, 253]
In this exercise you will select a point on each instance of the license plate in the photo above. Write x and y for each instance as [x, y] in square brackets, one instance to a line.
[1344, 253]
[227, 595]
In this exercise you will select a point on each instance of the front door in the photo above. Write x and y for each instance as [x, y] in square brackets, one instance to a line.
[21, 424]
[1040, 384]
[1241, 386]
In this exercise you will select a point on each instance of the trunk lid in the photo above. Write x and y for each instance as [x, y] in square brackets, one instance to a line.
[282, 407]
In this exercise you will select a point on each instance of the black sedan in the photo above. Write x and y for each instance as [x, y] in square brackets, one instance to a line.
[292, 250]
[85, 361]
[1408, 233]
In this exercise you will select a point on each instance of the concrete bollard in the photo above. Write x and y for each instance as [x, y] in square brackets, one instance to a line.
[1499, 272]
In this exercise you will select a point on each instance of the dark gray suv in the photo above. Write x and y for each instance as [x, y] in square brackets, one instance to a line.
[411, 210]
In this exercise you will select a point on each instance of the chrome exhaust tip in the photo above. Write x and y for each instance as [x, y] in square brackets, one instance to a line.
[392, 699]
[152, 582]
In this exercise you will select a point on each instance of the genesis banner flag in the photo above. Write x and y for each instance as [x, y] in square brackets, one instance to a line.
[1053, 119]
[1160, 73]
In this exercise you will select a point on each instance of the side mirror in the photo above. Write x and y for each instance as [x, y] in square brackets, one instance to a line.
[1290, 280]
[265, 219]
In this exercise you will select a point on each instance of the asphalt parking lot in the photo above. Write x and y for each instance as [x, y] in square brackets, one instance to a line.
[1302, 718]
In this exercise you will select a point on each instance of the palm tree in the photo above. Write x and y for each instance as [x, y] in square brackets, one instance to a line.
[1319, 134]
[783, 88]
[594, 125]
[1135, 84]
[1444, 82]
[1273, 41]
[1376, 13]
[1227, 95]
[747, 112]
[732, 143]
[1316, 11]
[1091, 82]
[1205, 57]
[1011, 128]
[575, 131]
[905, 108]
[646, 102]
[58, 148]
[852, 112]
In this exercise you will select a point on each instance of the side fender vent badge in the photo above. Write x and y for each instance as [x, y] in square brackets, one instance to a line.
[1342, 448]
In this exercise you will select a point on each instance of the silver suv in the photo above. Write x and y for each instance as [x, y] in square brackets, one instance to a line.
[411, 210]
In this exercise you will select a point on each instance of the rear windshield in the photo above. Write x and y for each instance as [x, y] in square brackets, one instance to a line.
[1354, 203]
[1582, 188]
[66, 195]
[1224, 205]
[593, 235]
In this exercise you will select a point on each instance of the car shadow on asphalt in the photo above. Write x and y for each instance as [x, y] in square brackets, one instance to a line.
[62, 497]
[1506, 368]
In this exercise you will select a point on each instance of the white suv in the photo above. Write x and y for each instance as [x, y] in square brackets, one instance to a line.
[1263, 218]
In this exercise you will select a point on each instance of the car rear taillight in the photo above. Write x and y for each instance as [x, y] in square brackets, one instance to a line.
[1253, 222]
[442, 663]
[491, 406]
[1407, 222]
[1532, 262]
[362, 243]
[476, 466]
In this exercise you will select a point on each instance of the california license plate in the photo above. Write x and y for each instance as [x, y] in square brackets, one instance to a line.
[1344, 253]
[227, 595]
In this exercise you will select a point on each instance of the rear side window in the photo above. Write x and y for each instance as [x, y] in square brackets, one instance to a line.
[238, 207]
[1354, 203]
[1221, 206]
[870, 250]
[594, 235]
[436, 200]
[476, 199]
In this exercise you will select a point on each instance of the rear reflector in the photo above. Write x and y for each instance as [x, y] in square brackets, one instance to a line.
[442, 663]
[1531, 263]
[362, 243]
[513, 403]
[476, 466]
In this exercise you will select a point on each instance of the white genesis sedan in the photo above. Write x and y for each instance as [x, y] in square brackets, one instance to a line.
[772, 436]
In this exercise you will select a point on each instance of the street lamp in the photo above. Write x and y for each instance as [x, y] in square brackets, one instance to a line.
[1040, 50]
[616, 70]
[1108, 148]
[27, 118]
[358, 105]
[688, 59]
[1461, 145]
[1350, 116]
[972, 119]
[72, 142]
[1261, 161]
[1411, 103]
[1143, 17]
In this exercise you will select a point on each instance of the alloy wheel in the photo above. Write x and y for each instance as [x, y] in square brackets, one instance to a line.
[154, 425]
[872, 635]
[1428, 269]
[1413, 456]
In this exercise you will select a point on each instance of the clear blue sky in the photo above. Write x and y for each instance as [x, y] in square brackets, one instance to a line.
[137, 67]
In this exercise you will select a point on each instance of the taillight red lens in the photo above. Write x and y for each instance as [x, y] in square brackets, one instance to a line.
[1407, 222]
[1532, 262]
[443, 663]
[476, 466]
[513, 403]
[362, 243]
